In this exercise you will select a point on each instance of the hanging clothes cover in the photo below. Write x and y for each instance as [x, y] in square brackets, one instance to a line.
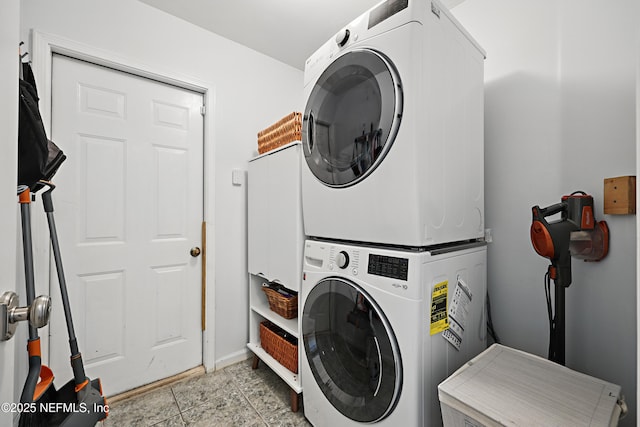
[38, 157]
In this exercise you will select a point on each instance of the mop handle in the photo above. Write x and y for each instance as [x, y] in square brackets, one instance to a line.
[76, 358]
[27, 249]
[33, 345]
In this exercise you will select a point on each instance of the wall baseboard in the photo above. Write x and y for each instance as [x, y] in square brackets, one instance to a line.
[233, 358]
[194, 372]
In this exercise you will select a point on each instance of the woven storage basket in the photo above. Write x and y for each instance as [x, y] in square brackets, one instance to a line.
[284, 131]
[285, 352]
[286, 307]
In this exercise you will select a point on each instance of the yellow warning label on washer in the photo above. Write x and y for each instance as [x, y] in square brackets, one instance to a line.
[439, 321]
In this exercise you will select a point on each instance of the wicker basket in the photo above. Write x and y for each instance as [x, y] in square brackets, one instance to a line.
[285, 352]
[286, 307]
[284, 131]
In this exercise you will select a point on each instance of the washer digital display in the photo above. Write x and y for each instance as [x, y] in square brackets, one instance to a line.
[388, 266]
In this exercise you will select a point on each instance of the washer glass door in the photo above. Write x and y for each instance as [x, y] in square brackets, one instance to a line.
[352, 117]
[351, 350]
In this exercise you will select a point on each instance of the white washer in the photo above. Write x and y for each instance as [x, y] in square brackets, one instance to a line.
[393, 130]
[372, 319]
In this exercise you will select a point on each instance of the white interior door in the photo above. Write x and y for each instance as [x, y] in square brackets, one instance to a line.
[129, 206]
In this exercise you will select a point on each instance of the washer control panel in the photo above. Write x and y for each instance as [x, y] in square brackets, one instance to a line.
[393, 271]
[344, 259]
[388, 266]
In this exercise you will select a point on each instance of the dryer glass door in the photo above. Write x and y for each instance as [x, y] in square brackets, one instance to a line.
[352, 117]
[351, 350]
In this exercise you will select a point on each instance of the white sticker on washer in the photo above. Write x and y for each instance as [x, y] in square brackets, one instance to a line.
[458, 312]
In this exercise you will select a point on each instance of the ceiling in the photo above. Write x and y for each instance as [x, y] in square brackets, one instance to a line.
[287, 30]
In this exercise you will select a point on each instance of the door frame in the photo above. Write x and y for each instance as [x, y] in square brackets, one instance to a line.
[44, 46]
[637, 222]
[10, 368]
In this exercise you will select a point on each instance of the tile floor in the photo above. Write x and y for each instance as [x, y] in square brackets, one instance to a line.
[234, 396]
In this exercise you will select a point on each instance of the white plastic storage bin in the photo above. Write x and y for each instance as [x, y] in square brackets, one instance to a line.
[507, 387]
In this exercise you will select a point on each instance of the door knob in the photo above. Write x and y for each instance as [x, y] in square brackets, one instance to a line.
[195, 251]
[10, 314]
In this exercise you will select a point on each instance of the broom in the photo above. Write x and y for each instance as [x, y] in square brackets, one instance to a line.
[80, 392]
[38, 388]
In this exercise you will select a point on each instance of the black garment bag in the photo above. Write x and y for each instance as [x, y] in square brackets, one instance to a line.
[38, 157]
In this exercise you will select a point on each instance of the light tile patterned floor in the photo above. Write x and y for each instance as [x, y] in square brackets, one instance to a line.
[234, 396]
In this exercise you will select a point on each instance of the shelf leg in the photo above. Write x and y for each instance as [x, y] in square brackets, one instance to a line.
[295, 399]
[256, 361]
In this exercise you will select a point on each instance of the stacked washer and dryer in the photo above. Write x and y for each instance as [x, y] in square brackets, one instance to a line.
[394, 284]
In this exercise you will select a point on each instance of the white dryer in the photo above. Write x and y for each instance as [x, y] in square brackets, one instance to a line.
[372, 330]
[393, 130]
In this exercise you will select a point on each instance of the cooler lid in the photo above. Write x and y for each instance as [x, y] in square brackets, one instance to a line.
[512, 388]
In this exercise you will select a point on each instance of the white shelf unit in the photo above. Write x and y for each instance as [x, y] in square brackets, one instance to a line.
[276, 240]
[260, 306]
[260, 311]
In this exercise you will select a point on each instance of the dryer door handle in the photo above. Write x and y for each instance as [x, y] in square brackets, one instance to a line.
[379, 366]
[311, 138]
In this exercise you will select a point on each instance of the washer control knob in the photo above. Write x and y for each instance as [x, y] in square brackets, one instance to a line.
[342, 37]
[342, 259]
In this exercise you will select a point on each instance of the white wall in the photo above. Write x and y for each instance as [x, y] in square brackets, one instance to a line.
[560, 100]
[9, 39]
[598, 72]
[251, 91]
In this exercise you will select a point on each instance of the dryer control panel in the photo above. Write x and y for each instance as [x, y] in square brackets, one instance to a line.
[343, 259]
[386, 10]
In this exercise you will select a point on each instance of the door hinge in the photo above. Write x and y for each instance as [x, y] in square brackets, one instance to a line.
[203, 110]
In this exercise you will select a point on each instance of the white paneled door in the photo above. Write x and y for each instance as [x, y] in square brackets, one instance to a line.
[129, 207]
